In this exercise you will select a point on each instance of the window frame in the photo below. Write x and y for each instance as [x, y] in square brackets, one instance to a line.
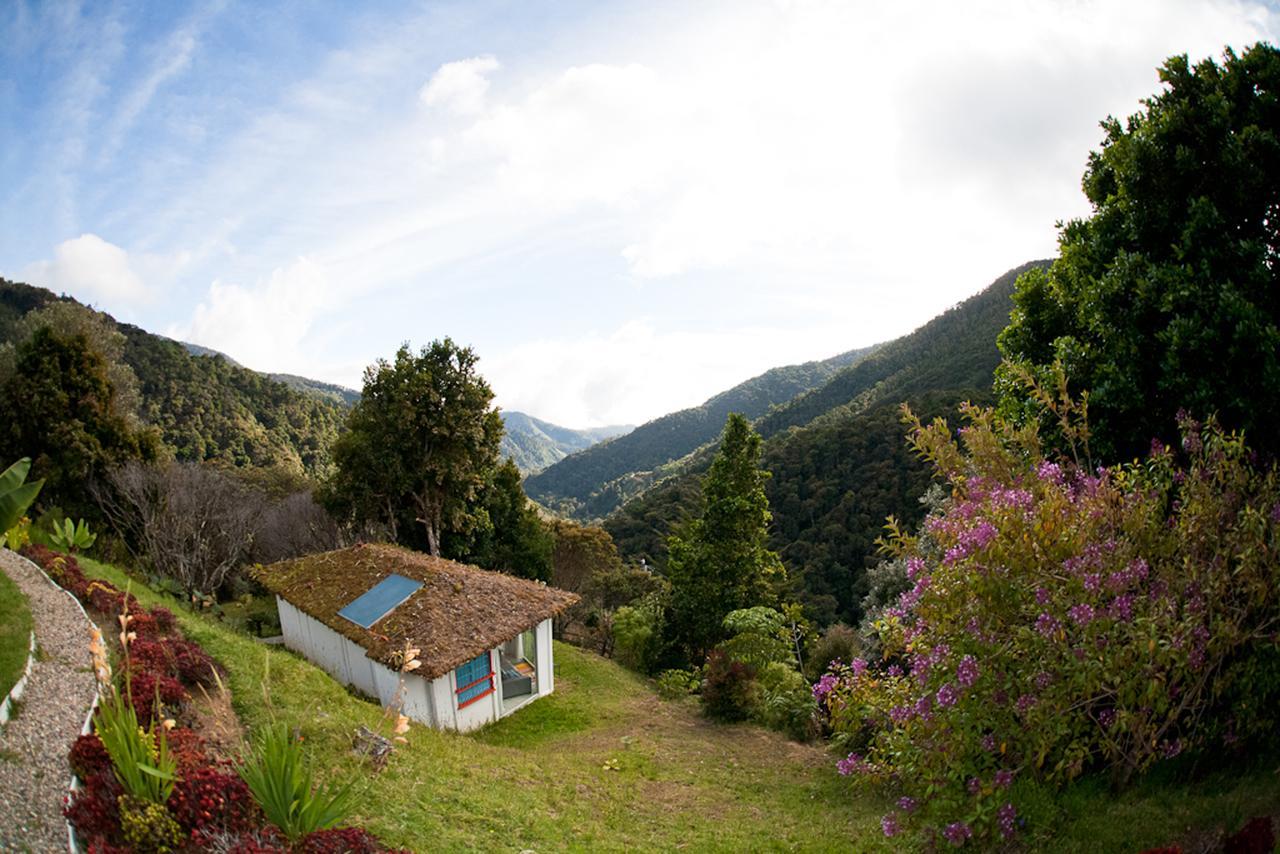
[458, 688]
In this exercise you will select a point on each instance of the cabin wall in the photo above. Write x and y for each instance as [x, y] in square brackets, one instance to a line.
[484, 710]
[545, 663]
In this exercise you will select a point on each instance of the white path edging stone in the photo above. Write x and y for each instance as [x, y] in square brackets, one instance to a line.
[15, 693]
[74, 785]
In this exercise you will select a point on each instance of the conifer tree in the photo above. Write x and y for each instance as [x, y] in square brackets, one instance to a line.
[720, 561]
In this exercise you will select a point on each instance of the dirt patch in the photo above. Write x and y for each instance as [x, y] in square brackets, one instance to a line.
[214, 718]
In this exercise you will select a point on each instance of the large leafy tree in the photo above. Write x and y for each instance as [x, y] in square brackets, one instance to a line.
[1168, 296]
[720, 561]
[62, 411]
[421, 444]
[507, 535]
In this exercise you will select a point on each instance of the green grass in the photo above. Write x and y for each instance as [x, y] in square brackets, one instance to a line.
[538, 779]
[15, 633]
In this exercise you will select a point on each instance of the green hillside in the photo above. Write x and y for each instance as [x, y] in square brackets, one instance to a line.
[535, 444]
[595, 482]
[206, 406]
[836, 478]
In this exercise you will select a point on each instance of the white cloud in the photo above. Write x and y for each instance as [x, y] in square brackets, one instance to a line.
[639, 371]
[265, 326]
[459, 86]
[92, 269]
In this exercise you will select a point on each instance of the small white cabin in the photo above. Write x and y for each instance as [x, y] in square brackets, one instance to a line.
[485, 637]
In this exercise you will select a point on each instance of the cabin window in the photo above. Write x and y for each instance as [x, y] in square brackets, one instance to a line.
[474, 680]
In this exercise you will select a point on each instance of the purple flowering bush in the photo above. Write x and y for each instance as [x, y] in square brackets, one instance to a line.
[1063, 618]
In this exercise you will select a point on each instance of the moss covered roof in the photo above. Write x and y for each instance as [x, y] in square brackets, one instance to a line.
[459, 612]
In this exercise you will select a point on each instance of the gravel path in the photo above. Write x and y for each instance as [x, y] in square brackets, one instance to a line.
[33, 746]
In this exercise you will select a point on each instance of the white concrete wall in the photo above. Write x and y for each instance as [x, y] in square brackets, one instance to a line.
[431, 702]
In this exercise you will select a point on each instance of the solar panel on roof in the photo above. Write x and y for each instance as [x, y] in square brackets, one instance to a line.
[380, 599]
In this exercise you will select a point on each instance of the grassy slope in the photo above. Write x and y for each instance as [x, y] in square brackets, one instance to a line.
[15, 632]
[537, 779]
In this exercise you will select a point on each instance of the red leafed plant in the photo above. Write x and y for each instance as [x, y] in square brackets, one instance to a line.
[143, 691]
[342, 840]
[211, 799]
[88, 757]
[93, 810]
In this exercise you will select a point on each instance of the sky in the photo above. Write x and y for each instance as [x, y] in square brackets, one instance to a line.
[624, 208]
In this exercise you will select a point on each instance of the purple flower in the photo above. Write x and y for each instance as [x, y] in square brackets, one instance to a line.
[915, 566]
[1004, 778]
[900, 714]
[1043, 680]
[974, 785]
[1082, 614]
[924, 707]
[1093, 582]
[907, 804]
[971, 540]
[989, 743]
[894, 670]
[1006, 818]
[1024, 704]
[1042, 596]
[946, 696]
[1049, 472]
[958, 833]
[939, 652]
[859, 666]
[1121, 608]
[1047, 625]
[824, 686]
[1106, 718]
[851, 763]
[967, 671]
[889, 824]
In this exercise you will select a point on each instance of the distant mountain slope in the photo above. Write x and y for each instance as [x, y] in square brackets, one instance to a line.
[837, 474]
[535, 444]
[331, 391]
[206, 406]
[595, 482]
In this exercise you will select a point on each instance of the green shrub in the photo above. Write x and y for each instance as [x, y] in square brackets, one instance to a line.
[15, 494]
[282, 786]
[71, 537]
[838, 643]
[786, 702]
[637, 633]
[674, 684]
[758, 637]
[140, 757]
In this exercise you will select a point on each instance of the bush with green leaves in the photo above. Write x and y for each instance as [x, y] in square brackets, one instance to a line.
[16, 496]
[282, 786]
[140, 756]
[729, 688]
[638, 632]
[72, 537]
[1072, 619]
[674, 684]
[785, 702]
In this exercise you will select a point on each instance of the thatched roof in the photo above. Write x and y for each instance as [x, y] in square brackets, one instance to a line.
[459, 612]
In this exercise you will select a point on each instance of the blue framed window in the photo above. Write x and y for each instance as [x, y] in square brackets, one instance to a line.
[474, 680]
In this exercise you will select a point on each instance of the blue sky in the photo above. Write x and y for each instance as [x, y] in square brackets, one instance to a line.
[624, 208]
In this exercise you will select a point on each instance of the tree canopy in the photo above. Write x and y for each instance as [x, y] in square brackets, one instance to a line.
[720, 561]
[1168, 296]
[420, 446]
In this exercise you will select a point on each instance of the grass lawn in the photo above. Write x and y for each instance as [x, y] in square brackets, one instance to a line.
[603, 764]
[15, 633]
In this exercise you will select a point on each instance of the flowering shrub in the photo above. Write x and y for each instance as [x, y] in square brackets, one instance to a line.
[1065, 618]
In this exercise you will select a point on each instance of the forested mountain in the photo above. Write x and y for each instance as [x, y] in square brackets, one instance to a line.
[836, 478]
[330, 391]
[597, 481]
[208, 407]
[535, 444]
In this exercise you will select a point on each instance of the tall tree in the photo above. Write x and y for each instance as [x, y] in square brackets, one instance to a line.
[1168, 296]
[420, 445]
[507, 534]
[720, 561]
[63, 412]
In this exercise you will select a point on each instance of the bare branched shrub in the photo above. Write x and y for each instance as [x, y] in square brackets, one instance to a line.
[189, 523]
[293, 526]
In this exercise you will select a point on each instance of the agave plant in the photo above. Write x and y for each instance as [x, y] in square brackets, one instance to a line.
[282, 786]
[71, 537]
[16, 494]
